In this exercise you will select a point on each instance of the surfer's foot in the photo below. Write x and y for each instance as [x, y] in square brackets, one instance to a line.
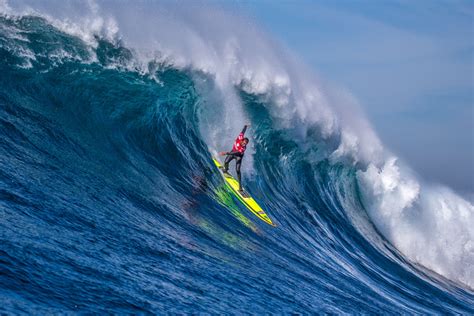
[243, 193]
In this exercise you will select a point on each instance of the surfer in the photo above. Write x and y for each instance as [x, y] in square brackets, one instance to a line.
[237, 153]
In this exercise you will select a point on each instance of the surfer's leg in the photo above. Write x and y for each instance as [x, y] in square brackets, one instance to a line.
[238, 162]
[228, 159]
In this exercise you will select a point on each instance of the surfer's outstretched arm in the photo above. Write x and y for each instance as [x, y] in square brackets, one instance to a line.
[227, 153]
[241, 135]
[224, 153]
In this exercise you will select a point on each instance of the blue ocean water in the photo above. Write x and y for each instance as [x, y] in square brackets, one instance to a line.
[110, 202]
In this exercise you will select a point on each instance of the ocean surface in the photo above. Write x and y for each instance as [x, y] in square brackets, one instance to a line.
[110, 202]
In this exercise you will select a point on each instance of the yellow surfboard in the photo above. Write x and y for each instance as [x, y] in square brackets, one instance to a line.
[245, 198]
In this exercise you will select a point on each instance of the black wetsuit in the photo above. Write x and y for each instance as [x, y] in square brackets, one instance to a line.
[238, 156]
[237, 153]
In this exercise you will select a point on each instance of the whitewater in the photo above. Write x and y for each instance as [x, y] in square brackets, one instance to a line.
[109, 200]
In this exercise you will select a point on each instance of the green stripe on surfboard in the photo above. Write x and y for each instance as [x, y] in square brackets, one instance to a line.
[246, 199]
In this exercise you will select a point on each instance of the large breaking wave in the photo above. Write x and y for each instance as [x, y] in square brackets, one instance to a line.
[109, 119]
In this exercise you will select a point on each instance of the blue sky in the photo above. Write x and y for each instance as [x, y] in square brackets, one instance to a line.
[409, 63]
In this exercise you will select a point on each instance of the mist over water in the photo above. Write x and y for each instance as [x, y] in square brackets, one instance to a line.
[110, 115]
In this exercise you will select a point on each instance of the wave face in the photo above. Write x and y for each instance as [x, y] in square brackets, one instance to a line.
[109, 200]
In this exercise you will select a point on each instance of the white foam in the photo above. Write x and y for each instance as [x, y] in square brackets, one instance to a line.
[431, 225]
[83, 20]
[4, 7]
